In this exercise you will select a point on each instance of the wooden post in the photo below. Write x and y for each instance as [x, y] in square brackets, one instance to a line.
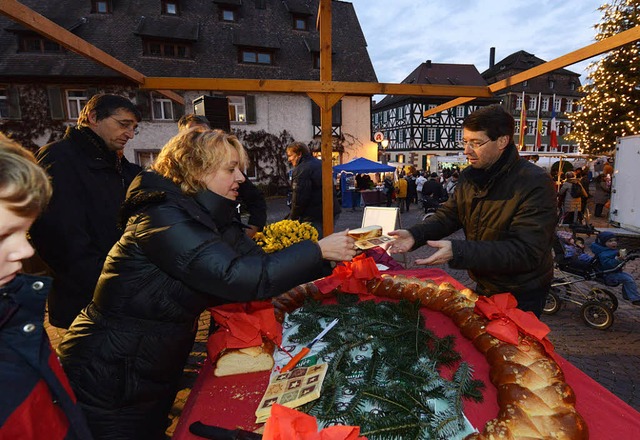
[324, 20]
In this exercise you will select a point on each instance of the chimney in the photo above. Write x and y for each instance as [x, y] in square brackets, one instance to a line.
[492, 57]
[428, 63]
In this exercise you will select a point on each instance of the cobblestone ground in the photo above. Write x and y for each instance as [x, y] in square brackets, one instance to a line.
[611, 357]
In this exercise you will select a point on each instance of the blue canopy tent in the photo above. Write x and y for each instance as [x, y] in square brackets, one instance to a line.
[351, 198]
[362, 165]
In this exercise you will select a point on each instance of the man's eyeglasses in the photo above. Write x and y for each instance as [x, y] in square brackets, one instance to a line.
[474, 145]
[129, 126]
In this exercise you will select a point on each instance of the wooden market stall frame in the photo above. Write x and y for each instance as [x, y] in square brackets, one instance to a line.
[325, 92]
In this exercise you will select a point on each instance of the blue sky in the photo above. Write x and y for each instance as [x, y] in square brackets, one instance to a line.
[401, 34]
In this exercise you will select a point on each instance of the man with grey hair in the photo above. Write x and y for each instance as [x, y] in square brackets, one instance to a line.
[90, 177]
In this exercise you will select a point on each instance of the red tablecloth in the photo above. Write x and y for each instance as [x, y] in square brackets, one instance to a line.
[230, 402]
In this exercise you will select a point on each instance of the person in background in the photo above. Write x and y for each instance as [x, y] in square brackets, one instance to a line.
[250, 196]
[90, 177]
[388, 188]
[306, 187]
[605, 248]
[432, 192]
[506, 207]
[420, 180]
[452, 183]
[37, 402]
[401, 193]
[571, 202]
[601, 195]
[583, 177]
[412, 191]
[183, 250]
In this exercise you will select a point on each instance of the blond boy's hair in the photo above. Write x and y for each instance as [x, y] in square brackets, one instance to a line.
[24, 186]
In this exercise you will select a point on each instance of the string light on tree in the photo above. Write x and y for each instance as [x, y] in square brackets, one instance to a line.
[613, 85]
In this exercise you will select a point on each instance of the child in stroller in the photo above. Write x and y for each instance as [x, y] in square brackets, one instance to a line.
[609, 257]
[574, 255]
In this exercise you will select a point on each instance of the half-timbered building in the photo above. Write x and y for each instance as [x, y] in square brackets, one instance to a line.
[557, 90]
[413, 139]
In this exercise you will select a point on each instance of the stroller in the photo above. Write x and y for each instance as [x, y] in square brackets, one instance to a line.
[430, 206]
[584, 286]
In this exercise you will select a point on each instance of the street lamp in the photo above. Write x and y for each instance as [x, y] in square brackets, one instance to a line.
[384, 144]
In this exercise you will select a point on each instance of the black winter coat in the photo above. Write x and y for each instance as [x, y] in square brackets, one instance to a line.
[36, 401]
[509, 224]
[179, 254]
[306, 182]
[80, 224]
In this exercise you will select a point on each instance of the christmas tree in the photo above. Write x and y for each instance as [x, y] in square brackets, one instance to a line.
[610, 108]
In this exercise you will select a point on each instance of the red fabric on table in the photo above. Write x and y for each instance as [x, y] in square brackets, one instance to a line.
[230, 401]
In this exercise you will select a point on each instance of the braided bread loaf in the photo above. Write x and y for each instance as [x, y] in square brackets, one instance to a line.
[534, 399]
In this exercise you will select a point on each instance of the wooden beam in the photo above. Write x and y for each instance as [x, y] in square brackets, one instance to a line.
[592, 50]
[42, 25]
[446, 106]
[326, 117]
[301, 86]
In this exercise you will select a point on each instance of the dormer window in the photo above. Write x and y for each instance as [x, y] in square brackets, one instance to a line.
[552, 83]
[170, 7]
[256, 56]
[227, 14]
[35, 43]
[300, 22]
[101, 7]
[572, 85]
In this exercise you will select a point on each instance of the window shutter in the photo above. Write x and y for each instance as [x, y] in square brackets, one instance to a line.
[13, 96]
[56, 106]
[250, 102]
[144, 105]
[178, 111]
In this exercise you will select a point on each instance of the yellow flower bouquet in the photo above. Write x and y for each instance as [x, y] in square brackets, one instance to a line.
[279, 235]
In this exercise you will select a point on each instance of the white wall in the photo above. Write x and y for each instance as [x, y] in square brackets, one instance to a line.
[276, 112]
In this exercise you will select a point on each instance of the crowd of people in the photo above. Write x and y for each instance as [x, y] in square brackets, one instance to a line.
[137, 255]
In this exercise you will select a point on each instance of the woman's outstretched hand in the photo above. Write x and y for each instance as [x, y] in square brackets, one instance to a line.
[338, 247]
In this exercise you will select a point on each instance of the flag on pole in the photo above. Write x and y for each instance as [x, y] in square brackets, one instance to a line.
[553, 133]
[523, 123]
[538, 142]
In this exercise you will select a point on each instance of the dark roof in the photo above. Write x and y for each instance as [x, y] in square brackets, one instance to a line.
[214, 47]
[519, 62]
[439, 74]
[297, 7]
[167, 27]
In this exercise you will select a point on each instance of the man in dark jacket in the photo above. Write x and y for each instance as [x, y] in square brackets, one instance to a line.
[250, 196]
[90, 178]
[432, 192]
[306, 187]
[507, 209]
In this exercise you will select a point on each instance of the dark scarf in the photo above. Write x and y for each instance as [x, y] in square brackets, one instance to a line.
[481, 177]
[111, 157]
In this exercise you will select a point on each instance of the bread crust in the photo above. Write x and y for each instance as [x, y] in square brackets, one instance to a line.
[533, 397]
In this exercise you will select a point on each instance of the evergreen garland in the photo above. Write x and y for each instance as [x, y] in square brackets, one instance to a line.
[398, 380]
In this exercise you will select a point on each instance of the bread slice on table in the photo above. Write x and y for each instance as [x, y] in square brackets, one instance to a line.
[365, 233]
[245, 360]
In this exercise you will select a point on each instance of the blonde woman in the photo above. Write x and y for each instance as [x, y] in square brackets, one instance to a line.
[182, 251]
